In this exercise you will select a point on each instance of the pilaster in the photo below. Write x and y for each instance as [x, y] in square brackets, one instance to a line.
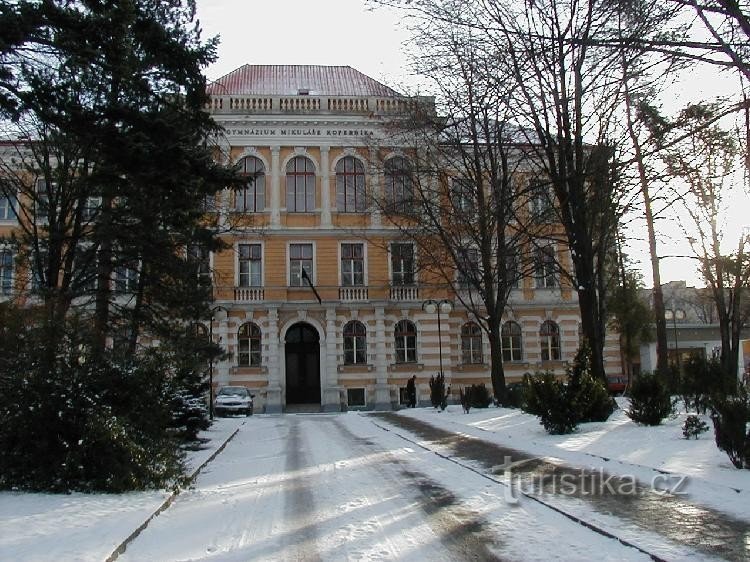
[275, 188]
[325, 187]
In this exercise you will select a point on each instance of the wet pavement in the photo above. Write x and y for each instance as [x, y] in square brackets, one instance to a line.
[655, 511]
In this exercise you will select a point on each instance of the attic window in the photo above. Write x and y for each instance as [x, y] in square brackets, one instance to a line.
[303, 92]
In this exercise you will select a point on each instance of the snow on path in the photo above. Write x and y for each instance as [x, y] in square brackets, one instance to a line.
[337, 487]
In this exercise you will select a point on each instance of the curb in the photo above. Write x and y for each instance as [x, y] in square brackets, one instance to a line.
[166, 503]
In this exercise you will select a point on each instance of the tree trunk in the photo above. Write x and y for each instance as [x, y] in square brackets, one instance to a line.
[496, 361]
[662, 361]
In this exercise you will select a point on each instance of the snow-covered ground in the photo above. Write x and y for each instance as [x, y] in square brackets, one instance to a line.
[339, 487]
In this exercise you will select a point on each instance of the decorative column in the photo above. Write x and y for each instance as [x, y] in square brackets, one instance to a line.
[325, 188]
[275, 188]
[273, 390]
[376, 188]
[382, 391]
[328, 378]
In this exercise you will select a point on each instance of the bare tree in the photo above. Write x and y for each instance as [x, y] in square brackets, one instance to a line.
[471, 181]
[706, 160]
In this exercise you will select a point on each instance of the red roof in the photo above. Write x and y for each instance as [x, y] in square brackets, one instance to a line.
[286, 80]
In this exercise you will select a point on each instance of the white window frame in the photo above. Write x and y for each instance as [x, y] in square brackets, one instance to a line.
[364, 262]
[414, 262]
[237, 274]
[10, 210]
[9, 274]
[555, 274]
[314, 276]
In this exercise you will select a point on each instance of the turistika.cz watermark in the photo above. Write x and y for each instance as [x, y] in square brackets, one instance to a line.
[533, 477]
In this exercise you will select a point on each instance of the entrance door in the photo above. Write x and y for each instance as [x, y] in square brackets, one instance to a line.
[302, 365]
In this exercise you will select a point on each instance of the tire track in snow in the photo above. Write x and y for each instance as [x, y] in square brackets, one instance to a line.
[299, 500]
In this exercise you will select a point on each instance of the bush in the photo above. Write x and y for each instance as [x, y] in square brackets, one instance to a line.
[731, 419]
[514, 395]
[546, 397]
[650, 401]
[693, 427]
[438, 392]
[590, 397]
[701, 380]
[78, 423]
[562, 406]
[479, 396]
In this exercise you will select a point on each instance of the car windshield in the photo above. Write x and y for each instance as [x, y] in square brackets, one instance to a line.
[233, 391]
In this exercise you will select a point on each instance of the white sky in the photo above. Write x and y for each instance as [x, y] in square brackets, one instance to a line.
[327, 32]
[347, 32]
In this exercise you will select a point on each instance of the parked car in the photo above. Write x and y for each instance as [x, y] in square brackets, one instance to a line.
[617, 384]
[233, 400]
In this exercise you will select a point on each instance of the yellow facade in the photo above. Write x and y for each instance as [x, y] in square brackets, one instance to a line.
[310, 120]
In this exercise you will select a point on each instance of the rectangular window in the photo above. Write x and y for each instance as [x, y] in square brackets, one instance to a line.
[355, 397]
[85, 266]
[41, 204]
[352, 265]
[200, 258]
[402, 264]
[6, 209]
[546, 268]
[6, 272]
[541, 202]
[126, 279]
[300, 258]
[468, 270]
[464, 196]
[512, 271]
[91, 208]
[250, 265]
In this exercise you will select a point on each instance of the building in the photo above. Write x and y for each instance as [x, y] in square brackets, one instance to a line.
[312, 142]
[692, 328]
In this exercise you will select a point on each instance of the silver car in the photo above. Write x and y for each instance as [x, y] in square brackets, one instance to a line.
[233, 400]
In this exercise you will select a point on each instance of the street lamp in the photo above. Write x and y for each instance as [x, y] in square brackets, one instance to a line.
[431, 306]
[218, 313]
[674, 315]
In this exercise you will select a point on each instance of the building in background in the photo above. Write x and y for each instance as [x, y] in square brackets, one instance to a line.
[313, 143]
[692, 327]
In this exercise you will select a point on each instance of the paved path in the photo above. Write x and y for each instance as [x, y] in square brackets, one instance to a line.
[639, 510]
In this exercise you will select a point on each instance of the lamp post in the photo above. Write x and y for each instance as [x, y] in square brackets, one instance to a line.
[218, 317]
[431, 306]
[675, 314]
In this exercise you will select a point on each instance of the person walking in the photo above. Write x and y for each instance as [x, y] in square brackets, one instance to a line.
[411, 391]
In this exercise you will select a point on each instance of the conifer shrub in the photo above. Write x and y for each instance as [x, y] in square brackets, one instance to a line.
[650, 400]
[731, 419]
[514, 395]
[479, 396]
[546, 397]
[85, 423]
[562, 406]
[438, 392]
[693, 427]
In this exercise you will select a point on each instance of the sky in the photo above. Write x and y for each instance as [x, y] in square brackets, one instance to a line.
[349, 33]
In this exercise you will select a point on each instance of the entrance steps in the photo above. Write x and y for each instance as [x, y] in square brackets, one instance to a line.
[302, 409]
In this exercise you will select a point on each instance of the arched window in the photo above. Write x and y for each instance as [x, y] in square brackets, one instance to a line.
[350, 185]
[510, 336]
[471, 343]
[248, 345]
[300, 185]
[399, 188]
[549, 339]
[252, 197]
[355, 343]
[405, 334]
